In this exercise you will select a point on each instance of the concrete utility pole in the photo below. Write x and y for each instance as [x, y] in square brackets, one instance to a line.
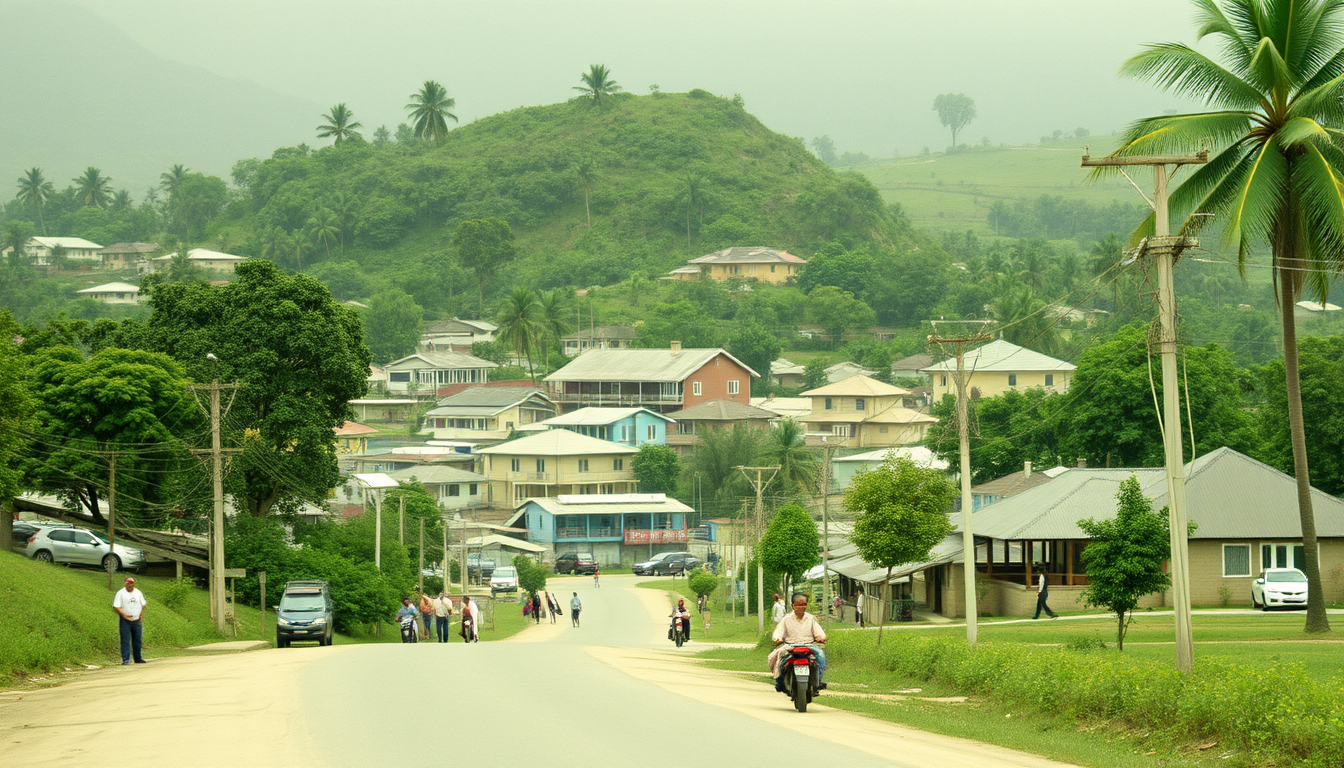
[827, 450]
[978, 333]
[759, 484]
[1168, 249]
[422, 555]
[216, 454]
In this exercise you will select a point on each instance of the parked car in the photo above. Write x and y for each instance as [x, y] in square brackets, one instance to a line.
[82, 547]
[575, 562]
[26, 529]
[666, 563]
[504, 580]
[1279, 588]
[305, 613]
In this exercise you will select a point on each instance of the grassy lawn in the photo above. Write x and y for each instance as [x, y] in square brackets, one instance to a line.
[723, 628]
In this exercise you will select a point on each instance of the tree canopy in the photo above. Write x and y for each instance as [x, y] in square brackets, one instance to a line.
[955, 111]
[1125, 554]
[790, 545]
[657, 468]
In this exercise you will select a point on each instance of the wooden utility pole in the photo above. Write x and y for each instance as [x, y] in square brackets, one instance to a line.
[422, 555]
[1167, 249]
[261, 584]
[443, 561]
[759, 484]
[827, 449]
[975, 331]
[216, 453]
[111, 518]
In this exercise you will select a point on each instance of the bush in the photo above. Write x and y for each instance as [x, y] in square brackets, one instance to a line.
[702, 582]
[176, 592]
[1085, 643]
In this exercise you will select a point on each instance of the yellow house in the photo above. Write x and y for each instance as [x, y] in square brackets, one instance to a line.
[352, 438]
[557, 462]
[862, 412]
[487, 414]
[998, 367]
[765, 265]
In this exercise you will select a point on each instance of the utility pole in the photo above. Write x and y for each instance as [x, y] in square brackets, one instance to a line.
[759, 484]
[827, 449]
[979, 333]
[422, 555]
[111, 517]
[216, 453]
[1168, 249]
[443, 561]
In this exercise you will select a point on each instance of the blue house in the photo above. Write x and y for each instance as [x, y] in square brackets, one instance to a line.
[615, 528]
[627, 426]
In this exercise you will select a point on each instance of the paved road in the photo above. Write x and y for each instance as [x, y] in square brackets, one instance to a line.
[613, 692]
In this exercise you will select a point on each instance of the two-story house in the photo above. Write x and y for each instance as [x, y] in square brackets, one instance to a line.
[455, 335]
[658, 379]
[616, 528]
[451, 487]
[692, 422]
[204, 258]
[765, 265]
[126, 256]
[430, 370]
[487, 414]
[627, 426]
[862, 412]
[600, 337]
[556, 462]
[998, 367]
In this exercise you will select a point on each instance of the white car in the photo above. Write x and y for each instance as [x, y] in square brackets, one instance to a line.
[505, 579]
[1279, 588]
[77, 545]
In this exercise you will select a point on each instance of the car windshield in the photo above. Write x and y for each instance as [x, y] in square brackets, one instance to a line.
[302, 603]
[505, 572]
[1291, 577]
[102, 539]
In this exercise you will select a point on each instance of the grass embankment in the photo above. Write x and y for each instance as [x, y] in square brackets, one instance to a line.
[1049, 688]
[724, 627]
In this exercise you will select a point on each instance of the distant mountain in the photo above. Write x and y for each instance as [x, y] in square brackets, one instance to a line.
[75, 91]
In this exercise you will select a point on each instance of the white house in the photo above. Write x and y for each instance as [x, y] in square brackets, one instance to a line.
[41, 249]
[431, 370]
[213, 261]
[113, 293]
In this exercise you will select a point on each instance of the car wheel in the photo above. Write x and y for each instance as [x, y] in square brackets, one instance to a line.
[44, 556]
[113, 562]
[1254, 604]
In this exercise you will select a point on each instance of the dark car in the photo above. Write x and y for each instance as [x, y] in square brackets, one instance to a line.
[304, 613]
[575, 562]
[667, 563]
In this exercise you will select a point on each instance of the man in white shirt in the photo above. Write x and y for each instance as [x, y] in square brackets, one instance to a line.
[778, 610]
[798, 628]
[1043, 594]
[129, 604]
[475, 621]
[443, 612]
[858, 609]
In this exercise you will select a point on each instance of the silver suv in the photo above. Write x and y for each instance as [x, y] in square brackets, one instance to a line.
[82, 547]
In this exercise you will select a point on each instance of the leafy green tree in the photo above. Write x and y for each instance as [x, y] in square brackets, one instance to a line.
[1124, 556]
[35, 192]
[910, 286]
[785, 447]
[1025, 321]
[814, 373]
[16, 237]
[691, 197]
[1007, 430]
[838, 311]
[955, 111]
[344, 279]
[657, 468]
[1278, 94]
[790, 544]
[197, 201]
[597, 84]
[339, 124]
[16, 408]
[833, 265]
[717, 455]
[431, 109]
[170, 181]
[520, 323]
[392, 325]
[1322, 368]
[93, 189]
[680, 321]
[825, 150]
[531, 575]
[323, 228]
[702, 582]
[300, 358]
[902, 515]
[483, 246]
[758, 348]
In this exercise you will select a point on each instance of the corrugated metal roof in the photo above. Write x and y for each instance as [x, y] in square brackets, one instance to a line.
[1016, 482]
[857, 386]
[745, 255]
[65, 242]
[722, 410]
[783, 367]
[557, 442]
[596, 416]
[490, 397]
[916, 453]
[131, 248]
[441, 360]
[639, 365]
[912, 363]
[112, 288]
[558, 507]
[1000, 355]
[438, 474]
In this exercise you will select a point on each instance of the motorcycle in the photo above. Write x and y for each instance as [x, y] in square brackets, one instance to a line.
[800, 676]
[677, 632]
[408, 630]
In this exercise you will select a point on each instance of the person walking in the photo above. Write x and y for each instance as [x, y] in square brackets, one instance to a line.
[838, 608]
[777, 610]
[1043, 594]
[129, 603]
[574, 607]
[443, 614]
[596, 572]
[551, 606]
[858, 609]
[702, 603]
[426, 608]
[475, 621]
[467, 630]
[536, 608]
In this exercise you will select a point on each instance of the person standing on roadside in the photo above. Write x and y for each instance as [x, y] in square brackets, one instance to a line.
[426, 615]
[777, 610]
[443, 615]
[596, 573]
[129, 604]
[858, 609]
[1043, 594]
[552, 607]
[467, 629]
[475, 622]
[536, 608]
[574, 607]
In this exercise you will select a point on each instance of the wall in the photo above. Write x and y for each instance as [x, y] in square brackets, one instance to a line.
[991, 383]
[713, 377]
[1206, 571]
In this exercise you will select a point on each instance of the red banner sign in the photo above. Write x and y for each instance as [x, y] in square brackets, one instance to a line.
[656, 537]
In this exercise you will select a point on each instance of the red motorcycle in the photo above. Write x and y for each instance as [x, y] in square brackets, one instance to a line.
[677, 633]
[800, 676]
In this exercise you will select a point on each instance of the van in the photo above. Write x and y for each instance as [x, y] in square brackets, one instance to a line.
[304, 613]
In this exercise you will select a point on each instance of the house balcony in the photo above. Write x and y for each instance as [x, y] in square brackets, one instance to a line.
[616, 399]
[570, 478]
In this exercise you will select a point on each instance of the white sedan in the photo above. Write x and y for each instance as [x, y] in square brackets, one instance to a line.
[1279, 588]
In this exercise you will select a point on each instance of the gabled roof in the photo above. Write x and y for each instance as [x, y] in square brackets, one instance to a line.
[782, 367]
[490, 397]
[755, 255]
[557, 442]
[913, 363]
[837, 372]
[112, 288]
[1000, 355]
[857, 386]
[784, 406]
[438, 327]
[205, 254]
[1016, 482]
[437, 474]
[444, 360]
[353, 429]
[597, 416]
[131, 248]
[602, 504]
[640, 365]
[723, 410]
[65, 242]
[916, 453]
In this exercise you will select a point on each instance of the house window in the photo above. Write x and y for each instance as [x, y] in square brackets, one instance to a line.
[1049, 379]
[541, 465]
[653, 432]
[508, 425]
[685, 427]
[515, 465]
[772, 269]
[583, 465]
[942, 380]
[1236, 560]
[627, 433]
[883, 430]
[695, 388]
[734, 386]
[403, 377]
[454, 490]
[618, 464]
[1012, 379]
[1282, 555]
[828, 403]
[858, 404]
[840, 430]
[471, 489]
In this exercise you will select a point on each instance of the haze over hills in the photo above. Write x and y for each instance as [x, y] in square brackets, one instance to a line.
[77, 92]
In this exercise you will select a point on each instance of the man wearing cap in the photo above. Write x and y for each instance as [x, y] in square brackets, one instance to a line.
[130, 607]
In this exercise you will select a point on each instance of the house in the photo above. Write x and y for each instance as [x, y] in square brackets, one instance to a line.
[621, 528]
[485, 414]
[1305, 309]
[766, 265]
[998, 367]
[715, 414]
[41, 250]
[353, 438]
[126, 256]
[862, 412]
[384, 409]
[844, 468]
[428, 370]
[634, 427]
[455, 335]
[599, 337]
[1012, 484]
[840, 371]
[204, 258]
[113, 293]
[556, 462]
[784, 407]
[911, 367]
[501, 550]
[451, 487]
[406, 457]
[659, 379]
[787, 374]
[683, 274]
[377, 379]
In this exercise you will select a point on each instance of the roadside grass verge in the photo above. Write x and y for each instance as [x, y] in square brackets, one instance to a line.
[723, 626]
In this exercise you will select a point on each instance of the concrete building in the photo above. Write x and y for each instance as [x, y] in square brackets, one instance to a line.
[487, 414]
[113, 293]
[633, 427]
[430, 370]
[765, 265]
[556, 462]
[692, 422]
[998, 367]
[658, 379]
[862, 412]
[617, 529]
[600, 337]
[42, 250]
[126, 256]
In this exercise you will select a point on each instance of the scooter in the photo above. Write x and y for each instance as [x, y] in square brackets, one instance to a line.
[408, 630]
[677, 633]
[800, 676]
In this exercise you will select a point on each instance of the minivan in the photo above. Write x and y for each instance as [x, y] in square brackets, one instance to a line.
[305, 613]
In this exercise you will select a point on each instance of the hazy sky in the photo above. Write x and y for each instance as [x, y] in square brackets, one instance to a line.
[864, 72]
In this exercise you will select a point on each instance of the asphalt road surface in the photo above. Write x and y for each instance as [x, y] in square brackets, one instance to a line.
[613, 692]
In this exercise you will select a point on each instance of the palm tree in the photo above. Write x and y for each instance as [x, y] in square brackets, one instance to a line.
[122, 200]
[171, 180]
[586, 170]
[93, 189]
[691, 196]
[274, 244]
[1025, 320]
[344, 208]
[520, 323]
[323, 228]
[1106, 255]
[35, 191]
[15, 239]
[340, 124]
[719, 451]
[597, 83]
[785, 447]
[554, 320]
[430, 111]
[1276, 109]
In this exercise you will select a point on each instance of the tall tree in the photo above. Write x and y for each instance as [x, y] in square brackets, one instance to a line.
[657, 468]
[323, 228]
[520, 323]
[586, 172]
[1322, 362]
[392, 325]
[170, 181]
[597, 84]
[691, 199]
[16, 237]
[785, 447]
[346, 210]
[93, 189]
[758, 348]
[35, 192]
[790, 545]
[483, 246]
[16, 408]
[1277, 94]
[955, 111]
[1025, 321]
[431, 109]
[339, 124]
[717, 455]
[838, 311]
[555, 313]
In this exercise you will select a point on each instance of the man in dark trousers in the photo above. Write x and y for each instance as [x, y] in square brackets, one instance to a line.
[1043, 594]
[129, 604]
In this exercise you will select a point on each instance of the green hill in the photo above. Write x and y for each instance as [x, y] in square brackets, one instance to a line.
[755, 187]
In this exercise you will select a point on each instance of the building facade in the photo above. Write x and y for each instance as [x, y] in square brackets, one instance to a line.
[487, 414]
[998, 367]
[617, 529]
[555, 462]
[862, 412]
[633, 427]
[765, 265]
[661, 380]
[430, 370]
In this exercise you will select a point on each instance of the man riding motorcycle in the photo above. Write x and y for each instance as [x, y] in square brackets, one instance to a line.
[798, 628]
[681, 611]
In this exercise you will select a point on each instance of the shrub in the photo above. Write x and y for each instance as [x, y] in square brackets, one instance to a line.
[702, 582]
[175, 593]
